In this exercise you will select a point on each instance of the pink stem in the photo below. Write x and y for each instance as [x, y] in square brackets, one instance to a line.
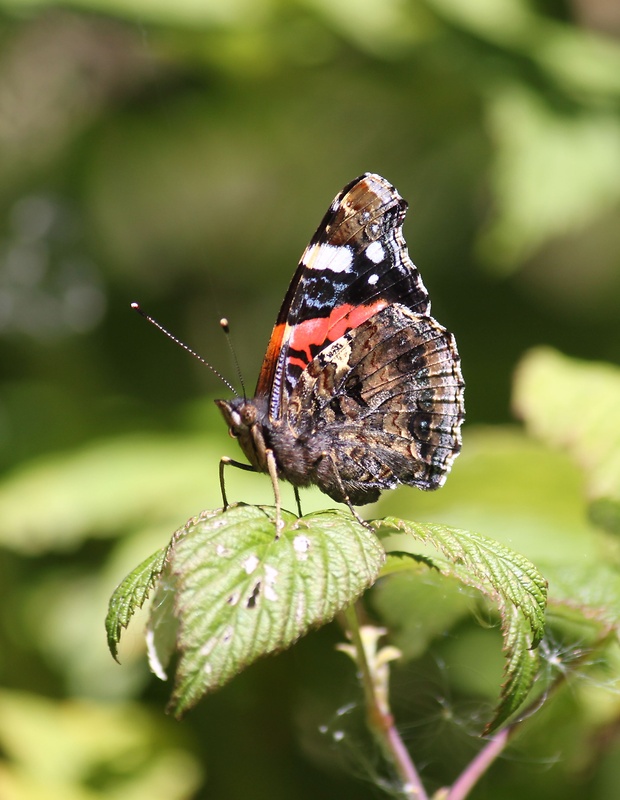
[476, 769]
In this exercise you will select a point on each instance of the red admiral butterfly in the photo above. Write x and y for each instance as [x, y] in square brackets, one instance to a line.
[360, 388]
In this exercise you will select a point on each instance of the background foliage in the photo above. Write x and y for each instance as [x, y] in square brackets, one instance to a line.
[181, 154]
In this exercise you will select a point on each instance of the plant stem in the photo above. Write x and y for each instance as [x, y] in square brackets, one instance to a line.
[380, 719]
[476, 769]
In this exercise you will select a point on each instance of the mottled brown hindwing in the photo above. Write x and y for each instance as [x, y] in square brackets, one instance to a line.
[387, 398]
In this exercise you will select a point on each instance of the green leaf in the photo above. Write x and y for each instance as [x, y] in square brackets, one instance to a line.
[241, 591]
[130, 595]
[515, 489]
[581, 63]
[542, 188]
[574, 405]
[505, 577]
[57, 501]
[79, 749]
[184, 12]
[163, 627]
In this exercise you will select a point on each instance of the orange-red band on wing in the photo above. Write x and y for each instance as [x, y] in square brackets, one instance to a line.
[315, 332]
[311, 332]
[265, 379]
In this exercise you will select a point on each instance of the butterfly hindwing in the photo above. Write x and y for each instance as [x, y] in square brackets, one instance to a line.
[388, 397]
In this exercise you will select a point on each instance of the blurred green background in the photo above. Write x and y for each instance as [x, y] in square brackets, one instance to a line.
[181, 154]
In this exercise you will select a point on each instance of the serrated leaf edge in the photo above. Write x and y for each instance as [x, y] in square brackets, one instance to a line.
[514, 689]
[178, 703]
[130, 595]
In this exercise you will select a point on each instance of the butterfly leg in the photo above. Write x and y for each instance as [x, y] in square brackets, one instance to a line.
[225, 461]
[273, 474]
[345, 496]
[298, 501]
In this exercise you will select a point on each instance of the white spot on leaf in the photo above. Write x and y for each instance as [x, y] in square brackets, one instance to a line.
[270, 594]
[301, 545]
[271, 574]
[208, 646]
[250, 564]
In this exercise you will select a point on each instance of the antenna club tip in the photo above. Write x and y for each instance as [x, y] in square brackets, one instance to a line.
[135, 306]
[224, 324]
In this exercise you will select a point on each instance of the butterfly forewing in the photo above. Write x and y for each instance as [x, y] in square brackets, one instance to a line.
[355, 265]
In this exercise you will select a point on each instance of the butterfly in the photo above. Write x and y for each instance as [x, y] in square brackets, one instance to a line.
[360, 389]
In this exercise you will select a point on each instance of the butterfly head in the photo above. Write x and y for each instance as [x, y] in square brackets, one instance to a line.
[240, 415]
[244, 419]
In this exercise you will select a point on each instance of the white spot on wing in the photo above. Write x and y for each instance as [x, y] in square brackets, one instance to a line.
[330, 257]
[373, 279]
[375, 252]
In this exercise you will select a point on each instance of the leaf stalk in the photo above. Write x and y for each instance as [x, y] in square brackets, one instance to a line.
[374, 673]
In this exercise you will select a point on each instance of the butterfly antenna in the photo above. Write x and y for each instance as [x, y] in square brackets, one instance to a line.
[136, 307]
[226, 328]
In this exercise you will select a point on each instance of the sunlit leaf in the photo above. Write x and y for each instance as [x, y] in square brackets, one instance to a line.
[52, 749]
[130, 595]
[57, 501]
[241, 592]
[384, 29]
[515, 489]
[513, 584]
[183, 12]
[574, 405]
[553, 171]
[578, 62]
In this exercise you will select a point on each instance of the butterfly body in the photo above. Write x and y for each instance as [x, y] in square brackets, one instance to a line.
[360, 388]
